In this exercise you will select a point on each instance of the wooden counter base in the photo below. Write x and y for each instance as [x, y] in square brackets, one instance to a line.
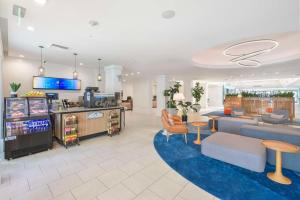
[90, 123]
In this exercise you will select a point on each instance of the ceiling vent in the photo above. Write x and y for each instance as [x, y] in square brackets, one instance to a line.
[19, 11]
[59, 46]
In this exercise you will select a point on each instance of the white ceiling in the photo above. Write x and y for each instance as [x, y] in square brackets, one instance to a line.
[133, 33]
[267, 50]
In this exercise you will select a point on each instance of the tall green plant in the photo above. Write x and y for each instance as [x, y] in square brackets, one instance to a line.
[283, 94]
[197, 92]
[170, 94]
[15, 86]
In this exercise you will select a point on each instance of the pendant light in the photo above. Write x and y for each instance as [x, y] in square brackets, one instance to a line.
[75, 73]
[99, 77]
[41, 68]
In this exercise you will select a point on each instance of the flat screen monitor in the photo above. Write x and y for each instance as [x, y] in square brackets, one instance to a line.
[51, 83]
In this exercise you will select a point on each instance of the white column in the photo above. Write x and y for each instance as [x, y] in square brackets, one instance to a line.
[188, 89]
[162, 84]
[113, 82]
[1, 98]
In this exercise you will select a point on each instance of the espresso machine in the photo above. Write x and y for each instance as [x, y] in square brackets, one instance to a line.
[93, 98]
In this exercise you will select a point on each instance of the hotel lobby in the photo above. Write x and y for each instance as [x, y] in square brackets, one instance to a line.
[149, 100]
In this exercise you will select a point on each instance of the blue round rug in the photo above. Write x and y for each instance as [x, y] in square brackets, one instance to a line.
[223, 180]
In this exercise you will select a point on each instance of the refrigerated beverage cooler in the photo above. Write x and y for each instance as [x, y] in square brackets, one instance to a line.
[27, 126]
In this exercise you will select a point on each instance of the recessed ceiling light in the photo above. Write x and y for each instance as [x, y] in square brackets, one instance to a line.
[41, 2]
[21, 56]
[124, 80]
[276, 73]
[126, 74]
[30, 28]
[131, 73]
[168, 14]
[138, 72]
[81, 64]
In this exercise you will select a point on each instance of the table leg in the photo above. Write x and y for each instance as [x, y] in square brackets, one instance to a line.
[277, 176]
[214, 127]
[198, 141]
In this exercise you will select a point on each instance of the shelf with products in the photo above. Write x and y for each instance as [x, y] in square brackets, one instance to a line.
[113, 123]
[70, 130]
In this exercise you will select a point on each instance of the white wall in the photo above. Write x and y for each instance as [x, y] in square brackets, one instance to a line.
[142, 95]
[22, 71]
[127, 90]
[215, 95]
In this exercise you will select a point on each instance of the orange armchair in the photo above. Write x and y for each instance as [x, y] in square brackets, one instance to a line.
[175, 128]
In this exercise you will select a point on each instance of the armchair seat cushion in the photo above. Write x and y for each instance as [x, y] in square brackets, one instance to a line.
[178, 129]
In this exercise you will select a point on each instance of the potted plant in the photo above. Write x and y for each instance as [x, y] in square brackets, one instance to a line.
[185, 107]
[197, 93]
[14, 88]
[169, 93]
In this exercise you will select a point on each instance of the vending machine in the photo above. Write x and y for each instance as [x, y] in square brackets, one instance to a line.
[27, 126]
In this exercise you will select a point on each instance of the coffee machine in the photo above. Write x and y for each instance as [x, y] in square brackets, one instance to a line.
[93, 98]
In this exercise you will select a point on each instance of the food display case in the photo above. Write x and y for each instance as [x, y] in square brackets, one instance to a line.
[27, 126]
[38, 106]
[16, 107]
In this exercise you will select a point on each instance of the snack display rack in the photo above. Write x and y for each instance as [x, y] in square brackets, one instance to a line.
[70, 130]
[113, 123]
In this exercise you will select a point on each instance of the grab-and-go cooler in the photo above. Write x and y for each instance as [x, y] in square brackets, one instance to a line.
[27, 126]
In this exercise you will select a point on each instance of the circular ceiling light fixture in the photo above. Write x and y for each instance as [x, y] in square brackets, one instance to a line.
[168, 14]
[41, 2]
[244, 53]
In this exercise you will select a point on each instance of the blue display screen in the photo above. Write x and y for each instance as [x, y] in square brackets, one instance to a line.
[50, 83]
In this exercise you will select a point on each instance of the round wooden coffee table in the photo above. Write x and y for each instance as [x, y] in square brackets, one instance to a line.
[214, 118]
[279, 147]
[199, 125]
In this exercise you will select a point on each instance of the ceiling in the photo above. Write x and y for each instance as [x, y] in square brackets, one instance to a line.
[134, 34]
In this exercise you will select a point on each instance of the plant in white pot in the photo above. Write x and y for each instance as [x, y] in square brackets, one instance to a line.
[185, 107]
[197, 93]
[14, 88]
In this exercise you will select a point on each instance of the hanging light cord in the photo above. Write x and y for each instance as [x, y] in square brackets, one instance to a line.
[41, 55]
[99, 65]
[75, 54]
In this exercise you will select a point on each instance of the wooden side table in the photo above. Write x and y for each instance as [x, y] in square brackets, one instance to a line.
[199, 125]
[214, 118]
[279, 147]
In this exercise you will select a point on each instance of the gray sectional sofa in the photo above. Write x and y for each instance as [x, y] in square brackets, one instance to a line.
[250, 128]
[277, 132]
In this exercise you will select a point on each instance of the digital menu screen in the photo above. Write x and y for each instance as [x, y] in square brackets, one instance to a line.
[51, 83]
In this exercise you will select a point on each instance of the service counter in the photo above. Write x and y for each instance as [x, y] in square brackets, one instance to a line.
[87, 122]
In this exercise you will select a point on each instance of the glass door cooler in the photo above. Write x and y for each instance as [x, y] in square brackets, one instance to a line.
[27, 126]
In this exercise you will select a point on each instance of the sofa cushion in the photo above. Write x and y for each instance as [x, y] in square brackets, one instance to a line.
[238, 150]
[233, 125]
[275, 116]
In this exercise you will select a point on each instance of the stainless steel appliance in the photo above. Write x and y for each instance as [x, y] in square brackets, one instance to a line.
[95, 99]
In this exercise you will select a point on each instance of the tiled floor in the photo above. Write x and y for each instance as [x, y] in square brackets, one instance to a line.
[104, 168]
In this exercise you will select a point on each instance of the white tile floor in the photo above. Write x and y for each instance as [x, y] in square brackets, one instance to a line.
[104, 168]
